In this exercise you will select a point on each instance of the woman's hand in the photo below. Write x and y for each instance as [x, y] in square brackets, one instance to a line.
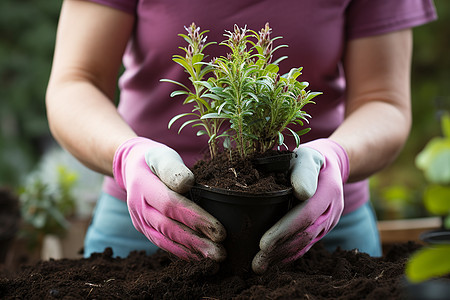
[155, 178]
[318, 172]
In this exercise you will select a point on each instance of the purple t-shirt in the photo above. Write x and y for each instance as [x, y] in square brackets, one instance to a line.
[315, 30]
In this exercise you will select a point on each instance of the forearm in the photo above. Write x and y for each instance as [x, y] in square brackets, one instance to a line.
[90, 43]
[373, 136]
[86, 123]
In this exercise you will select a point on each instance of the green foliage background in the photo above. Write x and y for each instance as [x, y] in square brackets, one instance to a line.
[27, 35]
[397, 191]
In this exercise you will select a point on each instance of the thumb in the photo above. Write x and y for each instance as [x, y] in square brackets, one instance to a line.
[305, 172]
[168, 165]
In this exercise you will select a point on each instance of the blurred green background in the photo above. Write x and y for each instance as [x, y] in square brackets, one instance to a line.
[27, 35]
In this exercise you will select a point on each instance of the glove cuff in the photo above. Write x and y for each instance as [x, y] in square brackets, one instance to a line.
[124, 151]
[329, 148]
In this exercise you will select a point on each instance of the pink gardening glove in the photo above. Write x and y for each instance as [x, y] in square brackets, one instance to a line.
[154, 177]
[318, 172]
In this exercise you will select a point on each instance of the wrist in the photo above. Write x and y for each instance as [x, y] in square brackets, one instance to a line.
[332, 151]
[126, 150]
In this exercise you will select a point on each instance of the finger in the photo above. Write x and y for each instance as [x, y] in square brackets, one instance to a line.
[284, 229]
[260, 263]
[315, 210]
[305, 172]
[168, 165]
[287, 252]
[170, 246]
[183, 210]
[178, 238]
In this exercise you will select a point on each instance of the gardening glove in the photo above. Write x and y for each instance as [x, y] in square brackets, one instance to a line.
[154, 177]
[318, 172]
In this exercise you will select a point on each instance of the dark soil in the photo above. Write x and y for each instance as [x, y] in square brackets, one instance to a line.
[239, 174]
[317, 275]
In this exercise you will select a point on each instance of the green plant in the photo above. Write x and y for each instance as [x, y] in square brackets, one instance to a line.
[45, 208]
[241, 97]
[434, 161]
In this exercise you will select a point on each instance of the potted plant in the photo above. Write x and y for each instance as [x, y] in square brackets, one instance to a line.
[246, 108]
[432, 261]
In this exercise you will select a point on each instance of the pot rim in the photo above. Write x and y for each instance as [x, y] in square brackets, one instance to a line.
[275, 158]
[436, 237]
[241, 197]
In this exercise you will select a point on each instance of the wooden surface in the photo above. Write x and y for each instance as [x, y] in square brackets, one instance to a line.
[400, 231]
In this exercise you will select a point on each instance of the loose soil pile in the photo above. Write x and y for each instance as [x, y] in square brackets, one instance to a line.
[317, 275]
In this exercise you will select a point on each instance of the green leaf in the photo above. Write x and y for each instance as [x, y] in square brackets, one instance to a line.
[312, 95]
[211, 116]
[272, 68]
[280, 138]
[294, 73]
[219, 109]
[197, 58]
[437, 199]
[304, 131]
[212, 96]
[296, 137]
[203, 102]
[434, 161]
[182, 62]
[429, 263]
[212, 138]
[187, 123]
[175, 82]
[227, 143]
[445, 124]
[196, 62]
[201, 132]
[180, 116]
[189, 99]
[279, 46]
[176, 93]
[277, 62]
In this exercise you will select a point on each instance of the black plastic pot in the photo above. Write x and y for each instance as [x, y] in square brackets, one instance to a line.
[246, 217]
[278, 163]
[433, 289]
[436, 237]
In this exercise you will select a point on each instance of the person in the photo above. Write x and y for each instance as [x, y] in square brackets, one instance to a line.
[358, 53]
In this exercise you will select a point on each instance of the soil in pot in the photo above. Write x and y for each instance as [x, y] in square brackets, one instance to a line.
[240, 174]
[317, 275]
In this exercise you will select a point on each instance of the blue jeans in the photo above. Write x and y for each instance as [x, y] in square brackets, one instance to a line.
[111, 226]
[356, 230]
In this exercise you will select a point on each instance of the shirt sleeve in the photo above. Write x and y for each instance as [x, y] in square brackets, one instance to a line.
[128, 6]
[369, 17]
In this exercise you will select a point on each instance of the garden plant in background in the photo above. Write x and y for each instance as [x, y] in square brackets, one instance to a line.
[434, 161]
[45, 208]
